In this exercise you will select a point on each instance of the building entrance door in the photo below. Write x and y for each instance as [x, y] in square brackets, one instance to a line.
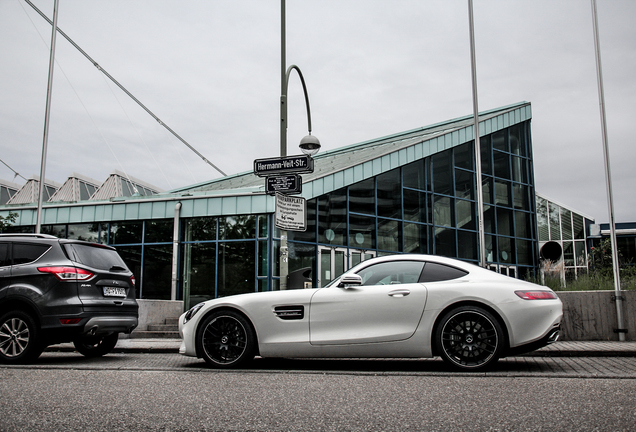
[333, 262]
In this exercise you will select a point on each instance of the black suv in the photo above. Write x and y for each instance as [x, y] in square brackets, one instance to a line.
[55, 290]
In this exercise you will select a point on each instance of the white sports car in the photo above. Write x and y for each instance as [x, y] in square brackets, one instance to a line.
[395, 306]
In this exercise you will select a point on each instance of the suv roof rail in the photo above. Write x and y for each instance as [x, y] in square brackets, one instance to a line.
[45, 236]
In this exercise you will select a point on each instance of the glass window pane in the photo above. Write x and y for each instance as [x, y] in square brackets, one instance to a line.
[500, 141]
[467, 245]
[263, 258]
[578, 226]
[506, 250]
[58, 231]
[389, 235]
[542, 219]
[464, 156]
[157, 272]
[464, 184]
[568, 253]
[390, 273]
[442, 173]
[555, 223]
[489, 219]
[414, 175]
[522, 224]
[504, 222]
[517, 140]
[443, 208]
[390, 194]
[362, 197]
[566, 224]
[197, 229]
[521, 200]
[414, 205]
[415, 238]
[302, 265]
[519, 170]
[487, 190]
[87, 232]
[332, 218]
[362, 232]
[125, 232]
[445, 242]
[502, 164]
[524, 252]
[502, 193]
[237, 227]
[159, 231]
[579, 247]
[199, 270]
[262, 226]
[132, 257]
[486, 154]
[236, 268]
[465, 213]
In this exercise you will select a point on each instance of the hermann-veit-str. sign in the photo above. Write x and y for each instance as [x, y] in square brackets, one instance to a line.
[283, 165]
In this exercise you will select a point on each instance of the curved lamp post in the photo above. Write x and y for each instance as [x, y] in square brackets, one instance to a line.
[309, 144]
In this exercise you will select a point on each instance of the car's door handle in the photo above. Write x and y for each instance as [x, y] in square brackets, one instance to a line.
[399, 293]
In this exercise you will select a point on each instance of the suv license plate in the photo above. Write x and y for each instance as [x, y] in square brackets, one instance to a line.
[114, 292]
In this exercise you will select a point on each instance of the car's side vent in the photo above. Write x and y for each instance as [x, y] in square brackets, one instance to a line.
[290, 312]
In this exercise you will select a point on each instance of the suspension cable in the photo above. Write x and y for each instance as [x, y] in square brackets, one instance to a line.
[124, 89]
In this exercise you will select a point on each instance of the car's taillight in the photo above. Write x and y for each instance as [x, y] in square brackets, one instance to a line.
[132, 280]
[67, 273]
[67, 321]
[536, 295]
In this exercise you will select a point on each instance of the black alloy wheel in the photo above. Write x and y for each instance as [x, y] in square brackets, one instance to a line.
[96, 346]
[469, 338]
[18, 338]
[226, 339]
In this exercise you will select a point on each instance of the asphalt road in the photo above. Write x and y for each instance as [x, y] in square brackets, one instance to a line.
[168, 392]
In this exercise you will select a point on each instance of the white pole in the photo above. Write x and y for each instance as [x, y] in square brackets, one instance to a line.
[47, 116]
[608, 179]
[478, 185]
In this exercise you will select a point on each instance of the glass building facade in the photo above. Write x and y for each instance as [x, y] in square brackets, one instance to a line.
[413, 192]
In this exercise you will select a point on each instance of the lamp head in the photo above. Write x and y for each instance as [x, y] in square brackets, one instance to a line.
[309, 145]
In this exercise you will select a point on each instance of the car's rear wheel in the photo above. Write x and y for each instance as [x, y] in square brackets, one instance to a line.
[19, 338]
[226, 339]
[469, 338]
[96, 346]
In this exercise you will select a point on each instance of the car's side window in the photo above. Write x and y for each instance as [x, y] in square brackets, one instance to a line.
[435, 272]
[25, 253]
[392, 273]
[4, 255]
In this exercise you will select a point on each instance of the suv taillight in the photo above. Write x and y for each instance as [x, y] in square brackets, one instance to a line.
[67, 273]
[132, 279]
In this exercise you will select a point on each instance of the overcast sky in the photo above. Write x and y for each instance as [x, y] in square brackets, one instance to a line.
[211, 71]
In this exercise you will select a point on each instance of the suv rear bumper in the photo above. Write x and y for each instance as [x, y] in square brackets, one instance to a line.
[110, 324]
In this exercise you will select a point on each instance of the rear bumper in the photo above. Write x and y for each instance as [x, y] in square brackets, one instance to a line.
[551, 337]
[110, 324]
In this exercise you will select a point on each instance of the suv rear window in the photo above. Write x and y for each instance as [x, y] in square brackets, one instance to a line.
[95, 256]
[25, 253]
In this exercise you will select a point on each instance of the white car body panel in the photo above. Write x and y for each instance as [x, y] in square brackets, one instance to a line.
[365, 321]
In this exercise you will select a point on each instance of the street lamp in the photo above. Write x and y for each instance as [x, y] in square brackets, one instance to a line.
[309, 145]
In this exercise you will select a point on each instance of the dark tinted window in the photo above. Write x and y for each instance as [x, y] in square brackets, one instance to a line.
[94, 256]
[392, 272]
[434, 272]
[26, 253]
[4, 255]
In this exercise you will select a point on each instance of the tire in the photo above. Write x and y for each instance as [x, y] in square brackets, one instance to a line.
[225, 339]
[19, 338]
[469, 338]
[96, 346]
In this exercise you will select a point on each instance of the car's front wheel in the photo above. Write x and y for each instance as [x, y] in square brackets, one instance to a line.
[19, 338]
[469, 338]
[96, 346]
[225, 339]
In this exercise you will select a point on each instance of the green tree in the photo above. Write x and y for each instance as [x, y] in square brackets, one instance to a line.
[6, 221]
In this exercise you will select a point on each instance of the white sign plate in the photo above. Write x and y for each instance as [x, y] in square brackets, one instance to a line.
[291, 212]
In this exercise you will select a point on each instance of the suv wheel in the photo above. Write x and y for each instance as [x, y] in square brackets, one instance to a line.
[19, 340]
[96, 346]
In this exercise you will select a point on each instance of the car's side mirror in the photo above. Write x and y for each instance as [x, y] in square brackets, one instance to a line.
[349, 280]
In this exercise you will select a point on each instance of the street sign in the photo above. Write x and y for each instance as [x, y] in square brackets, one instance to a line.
[283, 165]
[287, 184]
[291, 213]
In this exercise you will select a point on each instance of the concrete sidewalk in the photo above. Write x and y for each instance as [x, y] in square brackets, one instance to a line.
[558, 349]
